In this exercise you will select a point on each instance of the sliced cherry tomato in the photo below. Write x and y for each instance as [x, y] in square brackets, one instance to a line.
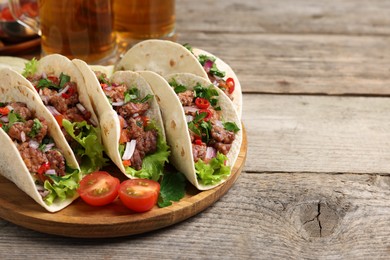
[209, 114]
[139, 195]
[4, 111]
[126, 163]
[98, 188]
[230, 84]
[59, 119]
[202, 103]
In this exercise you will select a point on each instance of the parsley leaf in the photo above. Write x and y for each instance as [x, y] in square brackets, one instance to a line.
[37, 125]
[63, 79]
[47, 83]
[133, 95]
[178, 88]
[206, 92]
[13, 118]
[213, 70]
[172, 188]
[188, 47]
[231, 126]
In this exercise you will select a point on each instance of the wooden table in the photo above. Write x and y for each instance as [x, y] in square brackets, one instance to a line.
[316, 185]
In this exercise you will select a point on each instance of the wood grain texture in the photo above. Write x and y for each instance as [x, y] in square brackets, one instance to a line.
[263, 216]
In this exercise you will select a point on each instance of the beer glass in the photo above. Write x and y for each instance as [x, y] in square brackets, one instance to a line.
[75, 28]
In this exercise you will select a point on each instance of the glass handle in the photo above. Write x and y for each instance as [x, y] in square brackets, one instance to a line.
[23, 16]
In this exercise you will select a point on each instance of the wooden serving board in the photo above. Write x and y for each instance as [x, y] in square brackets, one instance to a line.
[114, 220]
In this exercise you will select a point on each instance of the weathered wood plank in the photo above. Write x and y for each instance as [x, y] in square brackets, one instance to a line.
[317, 134]
[264, 216]
[347, 17]
[312, 64]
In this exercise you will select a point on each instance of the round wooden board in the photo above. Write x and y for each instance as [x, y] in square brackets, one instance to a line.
[114, 220]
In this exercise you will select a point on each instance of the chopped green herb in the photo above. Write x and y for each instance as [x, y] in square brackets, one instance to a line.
[63, 79]
[47, 83]
[133, 95]
[37, 126]
[178, 88]
[188, 47]
[231, 126]
[213, 70]
[208, 93]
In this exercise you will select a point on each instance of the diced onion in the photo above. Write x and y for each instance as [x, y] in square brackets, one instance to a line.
[10, 107]
[211, 152]
[218, 123]
[53, 110]
[81, 108]
[63, 90]
[208, 65]
[135, 115]
[189, 118]
[118, 103]
[33, 144]
[190, 109]
[107, 88]
[4, 119]
[45, 99]
[44, 76]
[129, 150]
[23, 136]
[51, 172]
[48, 147]
[43, 193]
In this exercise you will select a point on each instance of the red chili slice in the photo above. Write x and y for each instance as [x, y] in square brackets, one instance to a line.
[68, 93]
[209, 114]
[230, 84]
[202, 103]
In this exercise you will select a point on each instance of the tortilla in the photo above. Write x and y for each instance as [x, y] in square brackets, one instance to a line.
[15, 88]
[176, 126]
[167, 57]
[14, 63]
[108, 117]
[161, 56]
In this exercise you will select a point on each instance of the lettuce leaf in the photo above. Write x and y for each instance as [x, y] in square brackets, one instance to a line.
[62, 187]
[153, 164]
[213, 172]
[30, 68]
[90, 150]
[173, 188]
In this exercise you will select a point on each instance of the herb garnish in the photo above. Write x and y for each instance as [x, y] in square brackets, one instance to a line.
[133, 95]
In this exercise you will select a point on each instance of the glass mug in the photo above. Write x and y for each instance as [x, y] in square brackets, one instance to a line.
[74, 28]
[136, 20]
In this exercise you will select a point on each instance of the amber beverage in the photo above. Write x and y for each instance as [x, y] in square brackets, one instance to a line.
[144, 19]
[77, 29]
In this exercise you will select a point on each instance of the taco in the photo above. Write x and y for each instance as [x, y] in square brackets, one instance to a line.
[167, 57]
[34, 154]
[61, 87]
[202, 127]
[130, 119]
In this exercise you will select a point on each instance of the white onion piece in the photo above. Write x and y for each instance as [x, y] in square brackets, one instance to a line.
[211, 152]
[63, 90]
[44, 76]
[190, 109]
[118, 103]
[135, 115]
[48, 147]
[53, 110]
[40, 91]
[45, 99]
[10, 107]
[218, 123]
[33, 144]
[107, 88]
[4, 119]
[23, 136]
[129, 150]
[93, 122]
[44, 193]
[81, 108]
[189, 118]
[51, 172]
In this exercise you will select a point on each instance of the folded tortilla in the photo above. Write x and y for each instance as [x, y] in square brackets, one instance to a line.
[176, 125]
[110, 123]
[15, 88]
[167, 57]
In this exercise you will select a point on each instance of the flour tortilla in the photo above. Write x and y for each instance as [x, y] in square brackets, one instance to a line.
[161, 56]
[14, 63]
[15, 88]
[107, 116]
[176, 125]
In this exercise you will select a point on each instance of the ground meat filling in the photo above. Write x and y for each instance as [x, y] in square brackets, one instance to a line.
[134, 115]
[28, 133]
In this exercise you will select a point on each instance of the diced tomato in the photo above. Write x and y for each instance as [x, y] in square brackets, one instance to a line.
[198, 142]
[68, 93]
[44, 167]
[124, 136]
[209, 114]
[121, 122]
[4, 111]
[126, 163]
[104, 85]
[139, 195]
[145, 120]
[98, 188]
[54, 79]
[59, 119]
[202, 103]
[230, 84]
[1, 125]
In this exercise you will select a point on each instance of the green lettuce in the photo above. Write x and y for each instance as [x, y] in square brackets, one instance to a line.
[30, 68]
[152, 164]
[90, 150]
[212, 172]
[62, 187]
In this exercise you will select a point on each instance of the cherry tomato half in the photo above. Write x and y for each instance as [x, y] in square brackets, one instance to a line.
[98, 188]
[230, 84]
[202, 103]
[139, 195]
